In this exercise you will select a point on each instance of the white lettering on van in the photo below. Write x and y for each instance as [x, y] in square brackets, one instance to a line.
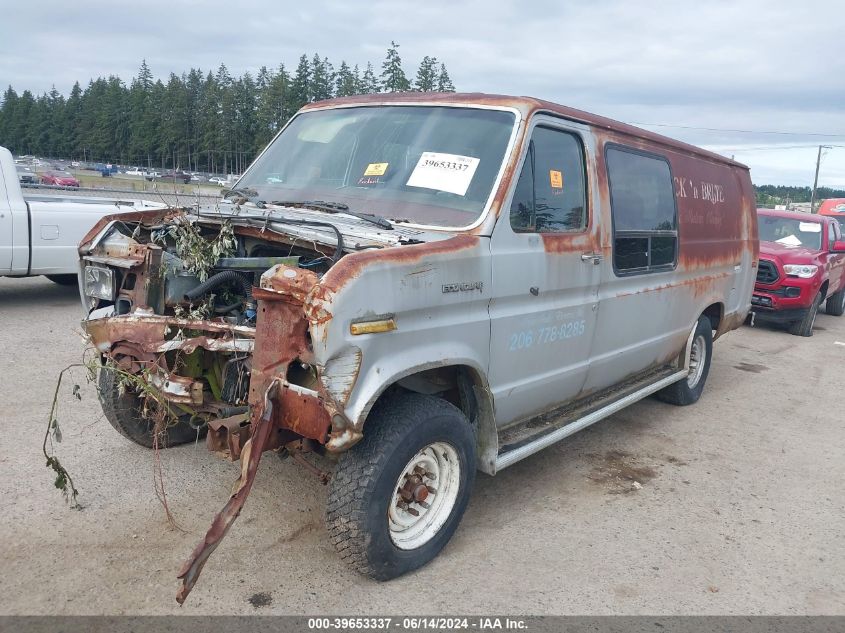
[712, 193]
[680, 186]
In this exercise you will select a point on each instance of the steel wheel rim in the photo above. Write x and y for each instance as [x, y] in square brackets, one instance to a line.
[697, 359]
[438, 469]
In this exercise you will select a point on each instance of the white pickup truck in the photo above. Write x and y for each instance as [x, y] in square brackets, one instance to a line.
[39, 234]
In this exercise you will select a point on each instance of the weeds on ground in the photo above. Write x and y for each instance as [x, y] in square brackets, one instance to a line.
[152, 407]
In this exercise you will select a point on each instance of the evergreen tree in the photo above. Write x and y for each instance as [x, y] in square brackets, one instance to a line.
[322, 79]
[197, 120]
[393, 78]
[444, 83]
[426, 80]
[55, 124]
[300, 86]
[73, 107]
[9, 117]
[245, 121]
[356, 81]
[345, 81]
[369, 82]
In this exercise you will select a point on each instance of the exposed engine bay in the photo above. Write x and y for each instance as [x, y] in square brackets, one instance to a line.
[174, 297]
[211, 316]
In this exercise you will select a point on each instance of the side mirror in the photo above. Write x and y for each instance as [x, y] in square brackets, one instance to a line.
[838, 247]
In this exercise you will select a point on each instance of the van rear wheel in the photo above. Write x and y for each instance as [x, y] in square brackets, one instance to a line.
[396, 498]
[688, 390]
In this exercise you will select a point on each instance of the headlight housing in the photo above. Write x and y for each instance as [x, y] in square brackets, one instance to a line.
[99, 282]
[804, 271]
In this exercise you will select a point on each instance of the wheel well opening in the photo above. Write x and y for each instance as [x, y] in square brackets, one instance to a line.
[454, 384]
[466, 388]
[824, 288]
[715, 313]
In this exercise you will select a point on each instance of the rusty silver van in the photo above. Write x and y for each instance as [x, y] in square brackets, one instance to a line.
[419, 286]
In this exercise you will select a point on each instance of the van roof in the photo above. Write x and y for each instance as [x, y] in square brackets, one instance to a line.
[527, 106]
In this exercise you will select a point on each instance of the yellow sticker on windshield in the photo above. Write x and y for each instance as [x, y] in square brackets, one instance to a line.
[376, 169]
[556, 179]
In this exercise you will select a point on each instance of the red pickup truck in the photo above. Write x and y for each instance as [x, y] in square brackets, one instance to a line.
[802, 265]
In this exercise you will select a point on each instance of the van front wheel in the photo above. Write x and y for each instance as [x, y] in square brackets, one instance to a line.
[396, 498]
[124, 409]
[688, 390]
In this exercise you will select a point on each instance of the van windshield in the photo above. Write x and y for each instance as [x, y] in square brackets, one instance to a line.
[426, 165]
[790, 232]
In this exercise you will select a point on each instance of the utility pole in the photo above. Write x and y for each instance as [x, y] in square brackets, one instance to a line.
[816, 179]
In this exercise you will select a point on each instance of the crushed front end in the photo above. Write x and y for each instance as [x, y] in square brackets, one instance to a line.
[210, 317]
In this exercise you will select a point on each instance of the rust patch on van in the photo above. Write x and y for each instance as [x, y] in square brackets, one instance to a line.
[250, 458]
[145, 218]
[351, 266]
[563, 243]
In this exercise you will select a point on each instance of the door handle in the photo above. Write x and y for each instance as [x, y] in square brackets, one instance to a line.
[592, 257]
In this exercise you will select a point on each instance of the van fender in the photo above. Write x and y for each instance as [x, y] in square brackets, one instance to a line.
[374, 380]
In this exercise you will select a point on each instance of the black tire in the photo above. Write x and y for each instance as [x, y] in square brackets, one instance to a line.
[365, 479]
[682, 393]
[63, 280]
[835, 305]
[804, 327]
[123, 411]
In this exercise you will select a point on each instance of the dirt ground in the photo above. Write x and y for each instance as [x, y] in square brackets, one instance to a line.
[732, 506]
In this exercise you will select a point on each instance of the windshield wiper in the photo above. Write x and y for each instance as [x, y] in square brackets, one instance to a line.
[335, 207]
[247, 195]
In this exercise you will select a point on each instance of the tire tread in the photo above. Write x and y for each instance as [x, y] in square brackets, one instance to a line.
[357, 471]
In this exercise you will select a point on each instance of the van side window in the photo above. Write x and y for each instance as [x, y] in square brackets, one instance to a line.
[834, 234]
[642, 201]
[550, 194]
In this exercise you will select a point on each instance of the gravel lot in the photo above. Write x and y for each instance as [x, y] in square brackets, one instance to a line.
[741, 509]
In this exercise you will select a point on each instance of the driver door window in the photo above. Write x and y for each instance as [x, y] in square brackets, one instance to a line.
[550, 195]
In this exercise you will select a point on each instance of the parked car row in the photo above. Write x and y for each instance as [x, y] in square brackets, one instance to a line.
[37, 165]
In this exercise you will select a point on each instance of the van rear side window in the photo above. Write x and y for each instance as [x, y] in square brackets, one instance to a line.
[645, 219]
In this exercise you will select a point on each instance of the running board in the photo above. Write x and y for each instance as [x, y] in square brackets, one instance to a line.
[505, 459]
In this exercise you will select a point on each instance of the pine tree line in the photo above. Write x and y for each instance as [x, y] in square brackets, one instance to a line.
[197, 121]
[769, 195]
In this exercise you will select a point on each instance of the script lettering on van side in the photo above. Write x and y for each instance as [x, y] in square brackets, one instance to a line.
[707, 191]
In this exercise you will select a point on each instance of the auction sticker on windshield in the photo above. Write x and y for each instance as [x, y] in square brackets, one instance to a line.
[444, 172]
[376, 169]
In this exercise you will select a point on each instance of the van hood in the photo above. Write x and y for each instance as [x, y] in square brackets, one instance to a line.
[357, 233]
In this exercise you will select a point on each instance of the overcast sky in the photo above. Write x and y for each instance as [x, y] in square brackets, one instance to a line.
[757, 65]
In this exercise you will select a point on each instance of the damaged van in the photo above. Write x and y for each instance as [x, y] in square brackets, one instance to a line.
[419, 286]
